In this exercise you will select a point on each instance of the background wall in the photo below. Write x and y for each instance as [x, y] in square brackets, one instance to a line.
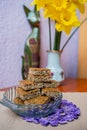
[82, 53]
[14, 30]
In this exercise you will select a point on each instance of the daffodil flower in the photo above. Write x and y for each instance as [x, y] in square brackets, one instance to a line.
[63, 12]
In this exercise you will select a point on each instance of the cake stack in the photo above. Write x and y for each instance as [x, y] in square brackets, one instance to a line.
[39, 88]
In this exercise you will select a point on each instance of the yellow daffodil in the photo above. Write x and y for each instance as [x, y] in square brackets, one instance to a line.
[41, 3]
[59, 4]
[51, 12]
[67, 21]
[77, 4]
[63, 12]
[55, 8]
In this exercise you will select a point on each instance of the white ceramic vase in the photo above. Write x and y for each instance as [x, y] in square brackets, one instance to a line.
[55, 66]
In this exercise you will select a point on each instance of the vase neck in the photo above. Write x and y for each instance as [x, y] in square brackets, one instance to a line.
[53, 58]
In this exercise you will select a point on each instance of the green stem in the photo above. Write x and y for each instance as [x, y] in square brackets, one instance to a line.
[57, 40]
[72, 34]
[50, 33]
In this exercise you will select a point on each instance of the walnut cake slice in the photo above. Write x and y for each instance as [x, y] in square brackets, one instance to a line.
[29, 85]
[39, 71]
[36, 78]
[27, 94]
[37, 100]
[52, 92]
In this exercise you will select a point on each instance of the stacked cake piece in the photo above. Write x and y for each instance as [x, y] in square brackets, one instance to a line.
[39, 88]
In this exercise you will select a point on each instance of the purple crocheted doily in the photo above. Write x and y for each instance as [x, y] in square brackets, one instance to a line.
[66, 112]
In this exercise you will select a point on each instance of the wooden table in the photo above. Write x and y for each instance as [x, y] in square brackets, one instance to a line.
[72, 85]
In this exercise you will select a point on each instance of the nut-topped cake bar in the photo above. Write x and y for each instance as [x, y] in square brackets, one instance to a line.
[39, 75]
[39, 71]
[39, 88]
[52, 92]
[18, 100]
[27, 94]
[42, 78]
[38, 100]
[29, 85]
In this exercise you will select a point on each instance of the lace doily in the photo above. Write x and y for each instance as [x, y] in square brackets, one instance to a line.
[67, 112]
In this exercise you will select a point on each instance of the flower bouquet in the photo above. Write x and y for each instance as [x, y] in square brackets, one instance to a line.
[64, 14]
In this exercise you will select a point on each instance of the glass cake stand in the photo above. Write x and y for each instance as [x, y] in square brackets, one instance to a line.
[30, 110]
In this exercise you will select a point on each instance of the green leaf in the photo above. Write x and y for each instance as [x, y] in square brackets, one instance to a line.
[57, 40]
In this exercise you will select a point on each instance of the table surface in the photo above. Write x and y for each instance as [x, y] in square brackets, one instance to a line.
[71, 85]
[75, 90]
[74, 85]
[10, 121]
